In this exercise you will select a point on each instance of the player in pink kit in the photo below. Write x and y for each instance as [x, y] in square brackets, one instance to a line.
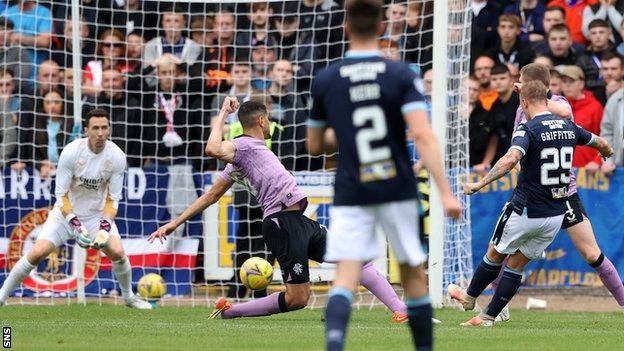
[292, 237]
[575, 221]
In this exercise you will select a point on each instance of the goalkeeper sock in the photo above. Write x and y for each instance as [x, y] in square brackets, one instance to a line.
[483, 276]
[337, 313]
[506, 290]
[610, 278]
[420, 313]
[259, 307]
[123, 272]
[20, 271]
[378, 285]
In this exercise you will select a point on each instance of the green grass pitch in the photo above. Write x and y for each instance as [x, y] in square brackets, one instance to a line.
[167, 328]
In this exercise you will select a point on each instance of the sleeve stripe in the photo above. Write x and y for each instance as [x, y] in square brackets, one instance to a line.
[519, 148]
[413, 106]
[592, 141]
[316, 123]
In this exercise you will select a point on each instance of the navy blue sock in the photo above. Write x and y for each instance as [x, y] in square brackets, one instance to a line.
[483, 276]
[420, 313]
[337, 315]
[507, 288]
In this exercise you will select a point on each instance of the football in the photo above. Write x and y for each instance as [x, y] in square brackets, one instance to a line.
[256, 273]
[152, 286]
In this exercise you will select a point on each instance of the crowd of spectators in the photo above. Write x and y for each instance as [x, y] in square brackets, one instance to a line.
[579, 40]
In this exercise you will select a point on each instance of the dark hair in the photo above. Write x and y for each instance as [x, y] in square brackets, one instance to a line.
[250, 111]
[177, 9]
[535, 71]
[599, 22]
[5, 70]
[6, 23]
[610, 55]
[96, 112]
[556, 8]
[363, 17]
[499, 68]
[559, 27]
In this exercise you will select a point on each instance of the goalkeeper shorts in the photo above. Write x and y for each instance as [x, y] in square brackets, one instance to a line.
[57, 230]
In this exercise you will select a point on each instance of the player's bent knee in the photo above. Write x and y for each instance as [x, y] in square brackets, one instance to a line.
[296, 301]
[40, 250]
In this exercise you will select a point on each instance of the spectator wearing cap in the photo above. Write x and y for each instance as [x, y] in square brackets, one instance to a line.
[286, 25]
[608, 10]
[32, 29]
[531, 14]
[612, 71]
[587, 112]
[612, 129]
[262, 58]
[509, 49]
[260, 24]
[13, 57]
[63, 55]
[560, 49]
[574, 16]
[173, 23]
[590, 62]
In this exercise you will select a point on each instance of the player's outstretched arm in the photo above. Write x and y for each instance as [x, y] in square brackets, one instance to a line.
[504, 165]
[216, 147]
[207, 199]
[427, 146]
[602, 146]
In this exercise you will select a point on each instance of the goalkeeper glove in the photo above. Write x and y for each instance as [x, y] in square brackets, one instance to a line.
[78, 231]
[102, 235]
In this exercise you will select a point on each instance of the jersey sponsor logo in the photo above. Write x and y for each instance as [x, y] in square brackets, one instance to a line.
[559, 193]
[57, 274]
[518, 134]
[362, 71]
[378, 171]
[92, 184]
[554, 123]
[365, 92]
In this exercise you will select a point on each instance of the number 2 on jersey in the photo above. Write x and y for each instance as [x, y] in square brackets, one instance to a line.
[561, 162]
[366, 136]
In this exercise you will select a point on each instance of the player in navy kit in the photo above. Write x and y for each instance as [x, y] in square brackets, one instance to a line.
[530, 221]
[367, 101]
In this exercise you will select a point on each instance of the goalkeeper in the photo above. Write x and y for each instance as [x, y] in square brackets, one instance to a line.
[89, 179]
[292, 237]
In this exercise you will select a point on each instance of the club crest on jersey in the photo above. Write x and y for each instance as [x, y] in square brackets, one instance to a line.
[57, 274]
[92, 184]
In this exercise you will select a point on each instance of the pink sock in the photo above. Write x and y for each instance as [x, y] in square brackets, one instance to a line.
[494, 284]
[259, 307]
[611, 279]
[378, 285]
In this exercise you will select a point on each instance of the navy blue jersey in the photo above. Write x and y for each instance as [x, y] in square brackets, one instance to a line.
[363, 98]
[547, 143]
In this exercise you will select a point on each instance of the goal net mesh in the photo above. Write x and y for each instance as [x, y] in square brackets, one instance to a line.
[161, 70]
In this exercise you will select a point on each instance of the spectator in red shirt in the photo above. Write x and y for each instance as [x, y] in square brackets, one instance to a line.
[587, 112]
